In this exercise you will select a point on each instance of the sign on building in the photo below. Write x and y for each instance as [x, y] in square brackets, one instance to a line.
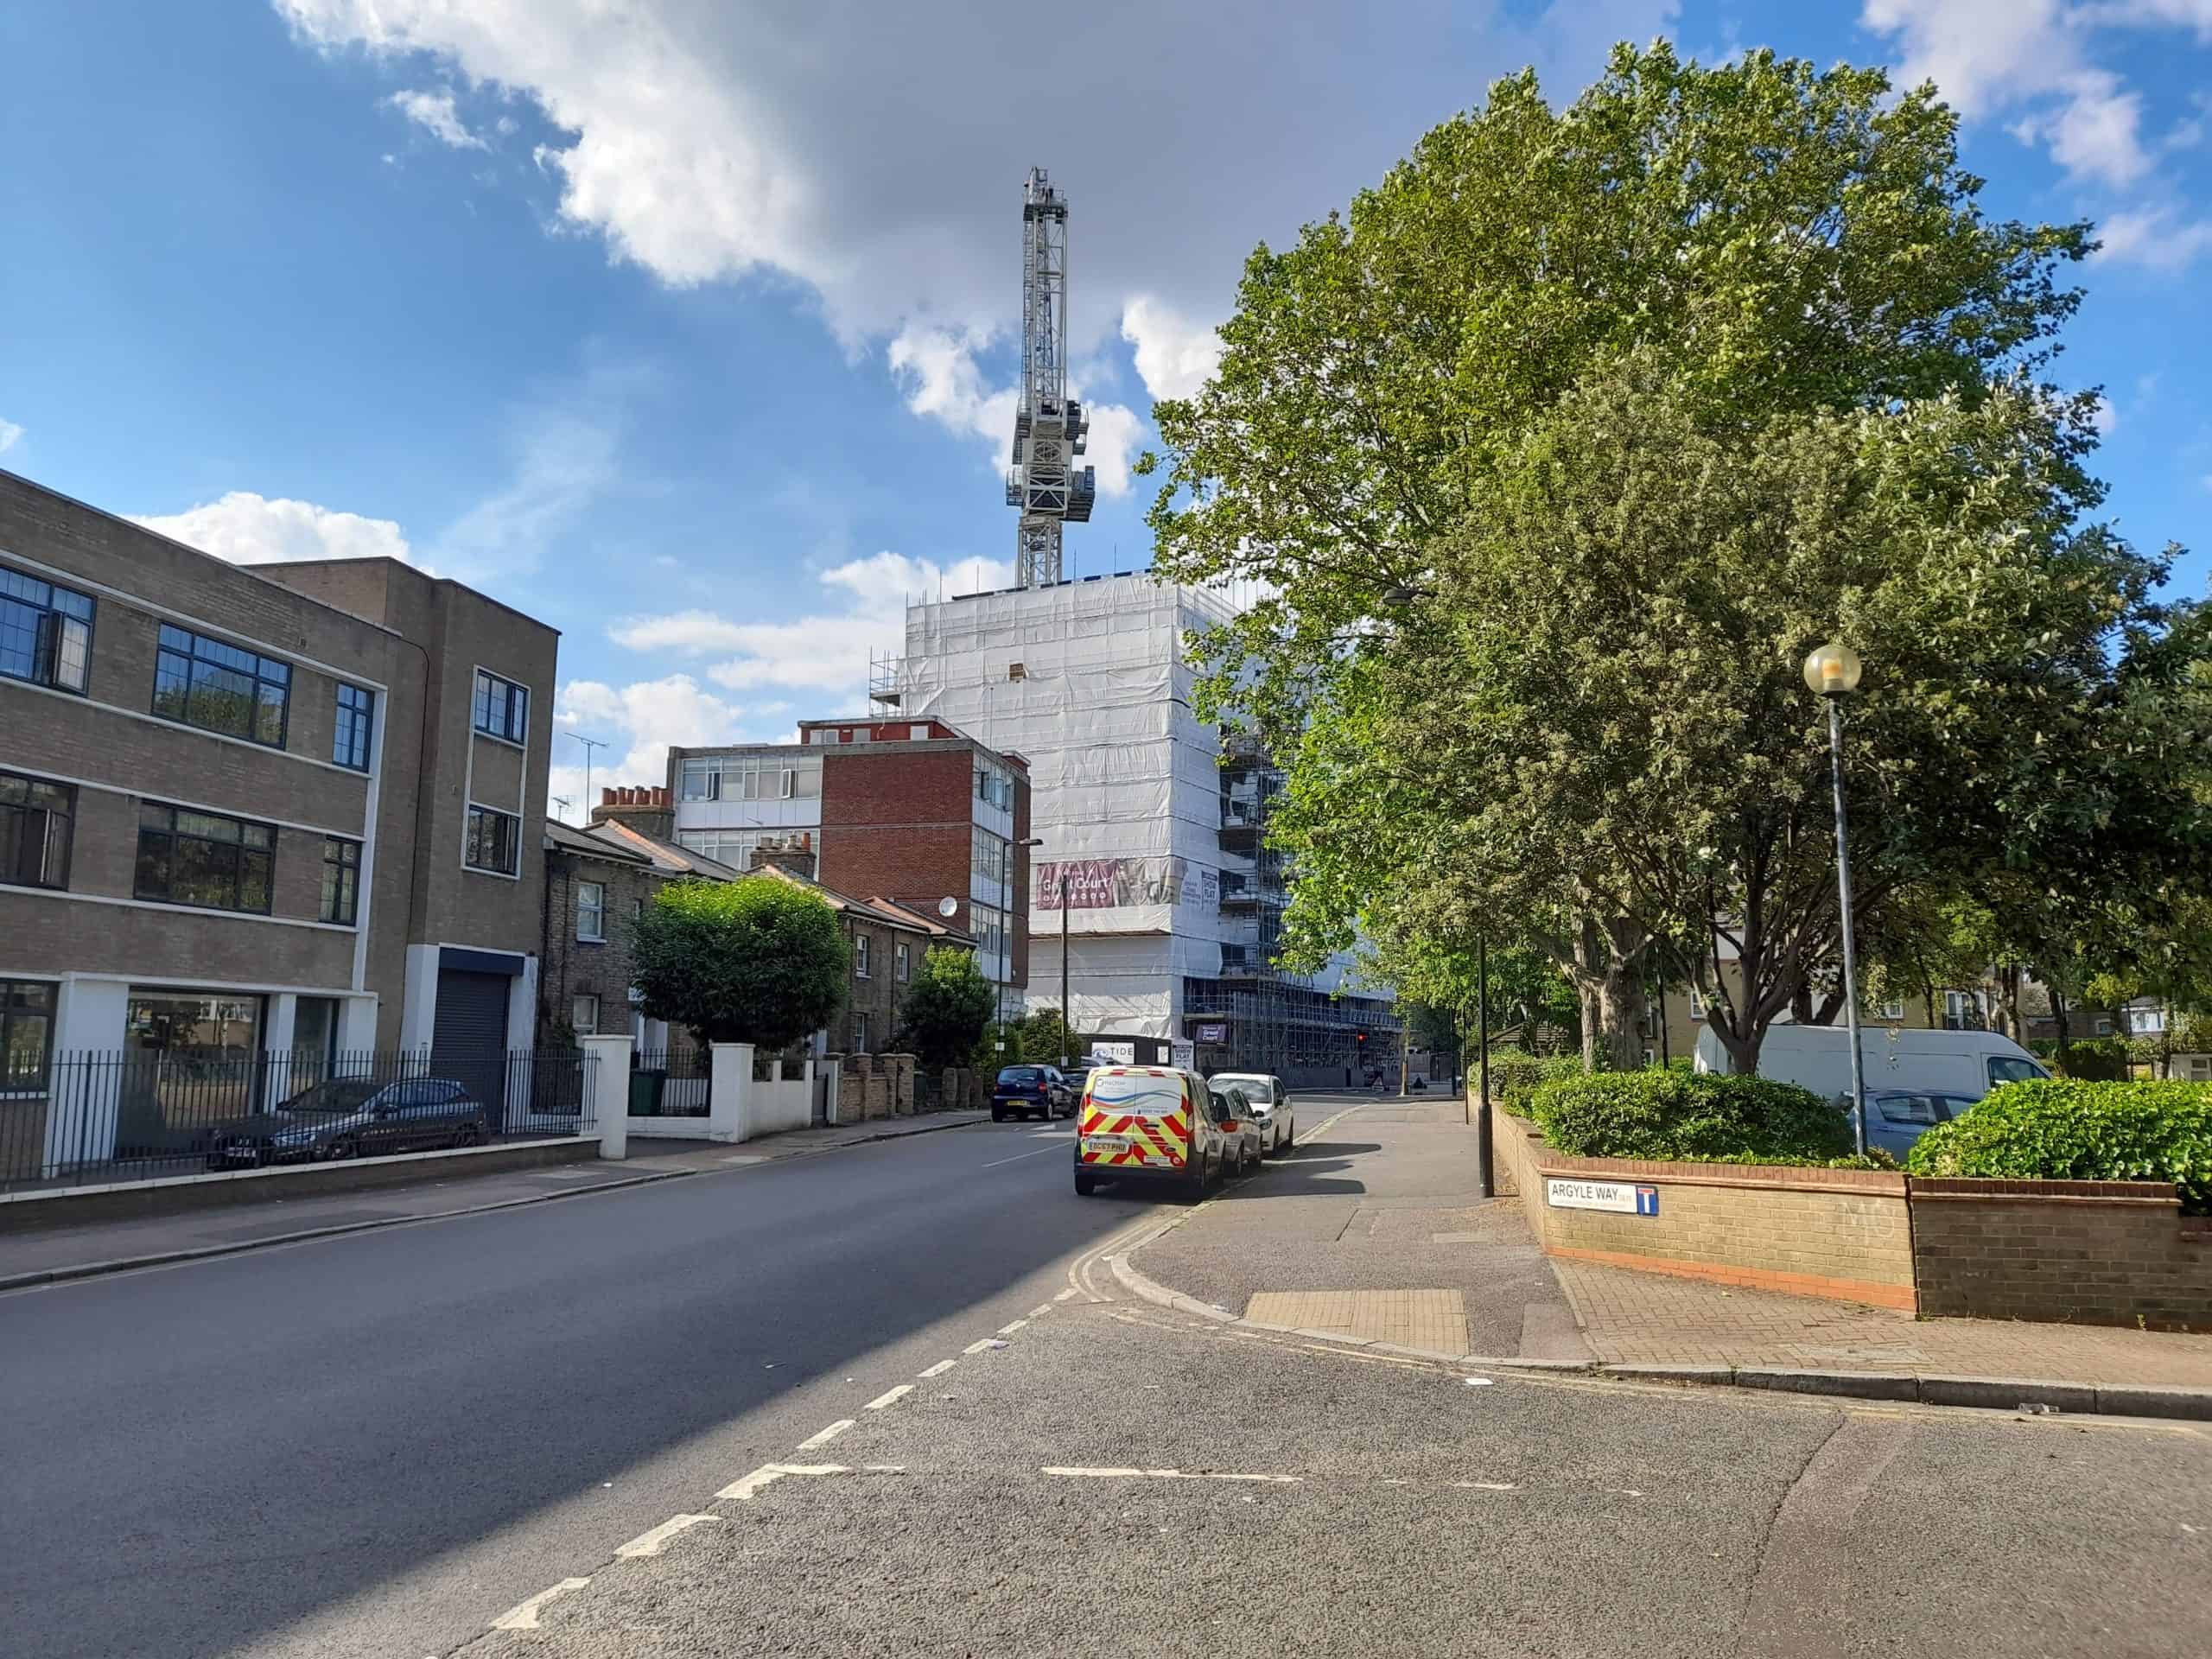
[1183, 1056]
[1212, 1032]
[1116, 1054]
[1626, 1197]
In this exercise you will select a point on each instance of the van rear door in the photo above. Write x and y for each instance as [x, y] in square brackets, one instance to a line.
[1137, 1118]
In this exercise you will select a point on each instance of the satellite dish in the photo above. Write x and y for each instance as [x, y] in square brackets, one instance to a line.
[948, 907]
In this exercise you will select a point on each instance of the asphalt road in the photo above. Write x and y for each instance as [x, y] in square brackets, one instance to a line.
[381, 1444]
[372, 1445]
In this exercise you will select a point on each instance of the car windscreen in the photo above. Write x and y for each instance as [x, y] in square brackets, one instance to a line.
[1142, 1093]
[333, 1095]
[2007, 1068]
[1254, 1088]
[1029, 1076]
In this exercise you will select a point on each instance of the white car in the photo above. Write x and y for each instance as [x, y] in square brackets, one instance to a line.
[1270, 1104]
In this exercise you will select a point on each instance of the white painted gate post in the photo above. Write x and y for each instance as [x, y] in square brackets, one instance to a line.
[606, 1075]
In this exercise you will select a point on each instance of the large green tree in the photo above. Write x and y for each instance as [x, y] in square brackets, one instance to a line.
[757, 961]
[1787, 268]
[947, 1007]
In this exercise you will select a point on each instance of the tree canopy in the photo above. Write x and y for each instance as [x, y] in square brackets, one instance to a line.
[946, 1007]
[1559, 452]
[757, 961]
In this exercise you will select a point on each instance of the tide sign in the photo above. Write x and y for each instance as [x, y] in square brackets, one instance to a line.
[1626, 1197]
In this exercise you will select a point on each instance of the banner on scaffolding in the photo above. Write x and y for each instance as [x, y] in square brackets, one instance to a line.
[1118, 883]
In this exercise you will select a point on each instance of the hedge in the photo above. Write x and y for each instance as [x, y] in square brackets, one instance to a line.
[1705, 1117]
[2065, 1129]
[2102, 1059]
[1514, 1074]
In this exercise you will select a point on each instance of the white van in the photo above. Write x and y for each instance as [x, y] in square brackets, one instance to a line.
[1967, 1063]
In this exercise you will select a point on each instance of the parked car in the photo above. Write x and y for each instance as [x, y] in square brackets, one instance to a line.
[1968, 1063]
[353, 1118]
[1024, 1090]
[1270, 1104]
[1232, 1110]
[1897, 1117]
[1153, 1123]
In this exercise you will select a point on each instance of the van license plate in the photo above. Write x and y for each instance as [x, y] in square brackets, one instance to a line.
[1105, 1143]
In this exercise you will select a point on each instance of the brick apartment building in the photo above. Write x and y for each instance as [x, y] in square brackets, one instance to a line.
[595, 888]
[294, 809]
[915, 811]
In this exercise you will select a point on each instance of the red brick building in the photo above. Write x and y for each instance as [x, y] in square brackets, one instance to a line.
[913, 809]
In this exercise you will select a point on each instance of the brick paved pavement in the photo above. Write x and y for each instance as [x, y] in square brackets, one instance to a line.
[1633, 1317]
[1434, 1319]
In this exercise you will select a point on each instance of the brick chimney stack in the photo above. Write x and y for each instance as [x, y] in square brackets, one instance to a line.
[794, 852]
[646, 808]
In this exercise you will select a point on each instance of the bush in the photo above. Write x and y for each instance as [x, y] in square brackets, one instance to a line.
[1514, 1074]
[2066, 1130]
[2101, 1060]
[759, 961]
[1702, 1116]
[946, 1009]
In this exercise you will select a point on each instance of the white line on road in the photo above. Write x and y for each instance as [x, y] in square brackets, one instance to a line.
[649, 1543]
[978, 1347]
[1017, 1158]
[1041, 1311]
[940, 1368]
[826, 1435]
[1008, 1330]
[768, 1474]
[1167, 1474]
[889, 1398]
[1486, 1485]
[1063, 1295]
[522, 1616]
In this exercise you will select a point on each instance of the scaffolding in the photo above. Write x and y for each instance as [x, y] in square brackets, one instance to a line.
[1154, 821]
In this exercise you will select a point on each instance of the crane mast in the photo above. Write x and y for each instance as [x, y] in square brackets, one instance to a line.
[1049, 428]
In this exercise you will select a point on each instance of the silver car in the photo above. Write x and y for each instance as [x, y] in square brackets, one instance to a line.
[1271, 1107]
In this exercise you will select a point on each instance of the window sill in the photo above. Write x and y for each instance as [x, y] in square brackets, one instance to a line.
[585, 938]
[522, 747]
[482, 869]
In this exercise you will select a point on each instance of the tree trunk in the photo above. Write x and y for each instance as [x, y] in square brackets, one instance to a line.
[1801, 1002]
[1622, 1005]
[2058, 1017]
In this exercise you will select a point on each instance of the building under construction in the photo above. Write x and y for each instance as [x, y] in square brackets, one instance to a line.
[1153, 838]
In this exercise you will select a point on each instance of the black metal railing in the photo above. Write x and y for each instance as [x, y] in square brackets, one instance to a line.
[670, 1082]
[81, 1118]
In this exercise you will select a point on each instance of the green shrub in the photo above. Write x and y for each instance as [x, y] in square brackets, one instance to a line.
[2101, 1060]
[1514, 1074]
[1703, 1116]
[2066, 1130]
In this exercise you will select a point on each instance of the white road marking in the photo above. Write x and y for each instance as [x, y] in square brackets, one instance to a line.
[884, 1468]
[1052, 1470]
[1063, 1295]
[988, 1342]
[1486, 1485]
[940, 1368]
[522, 1616]
[1166, 1474]
[1017, 1158]
[1477, 1382]
[889, 1398]
[649, 1543]
[826, 1435]
[1010, 1329]
[768, 1474]
[1039, 1312]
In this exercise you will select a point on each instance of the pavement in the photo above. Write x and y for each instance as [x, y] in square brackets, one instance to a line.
[36, 1257]
[902, 1401]
[1380, 1203]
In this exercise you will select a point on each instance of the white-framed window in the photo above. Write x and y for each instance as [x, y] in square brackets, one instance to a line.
[2146, 1022]
[1697, 1005]
[822, 735]
[499, 708]
[902, 959]
[583, 1015]
[591, 912]
[493, 842]
[2104, 1027]
[918, 734]
[860, 1033]
[860, 955]
[1894, 1008]
[637, 910]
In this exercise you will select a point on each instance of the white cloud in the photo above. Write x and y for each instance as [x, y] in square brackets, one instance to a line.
[249, 529]
[639, 722]
[2106, 418]
[1175, 354]
[936, 371]
[2157, 237]
[434, 113]
[564, 459]
[824, 653]
[9, 433]
[812, 144]
[1988, 57]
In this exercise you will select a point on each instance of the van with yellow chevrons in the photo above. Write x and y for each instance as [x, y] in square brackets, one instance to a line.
[1153, 1123]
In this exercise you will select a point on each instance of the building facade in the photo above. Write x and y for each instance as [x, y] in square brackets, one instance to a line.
[1153, 852]
[915, 811]
[294, 809]
[595, 890]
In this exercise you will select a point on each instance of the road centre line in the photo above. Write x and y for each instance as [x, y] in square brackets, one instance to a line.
[1040, 1310]
[978, 1347]
[649, 1543]
[1166, 1474]
[744, 1486]
[1017, 1158]
[1009, 1329]
[1063, 1295]
[826, 1435]
[889, 1396]
[522, 1616]
[940, 1368]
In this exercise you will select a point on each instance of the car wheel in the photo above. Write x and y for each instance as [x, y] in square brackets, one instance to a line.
[998, 1113]
[342, 1149]
[1086, 1182]
[469, 1134]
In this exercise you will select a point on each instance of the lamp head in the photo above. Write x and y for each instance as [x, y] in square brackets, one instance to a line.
[1833, 671]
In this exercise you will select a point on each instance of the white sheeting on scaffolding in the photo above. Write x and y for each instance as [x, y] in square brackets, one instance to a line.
[1087, 682]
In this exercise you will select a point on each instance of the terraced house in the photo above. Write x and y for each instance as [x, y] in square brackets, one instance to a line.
[291, 809]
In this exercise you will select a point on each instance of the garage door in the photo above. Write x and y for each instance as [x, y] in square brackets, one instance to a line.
[469, 1043]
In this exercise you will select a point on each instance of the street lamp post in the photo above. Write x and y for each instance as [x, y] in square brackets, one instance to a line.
[1484, 1170]
[1039, 841]
[1832, 673]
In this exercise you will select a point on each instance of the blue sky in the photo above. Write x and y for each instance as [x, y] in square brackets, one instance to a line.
[683, 324]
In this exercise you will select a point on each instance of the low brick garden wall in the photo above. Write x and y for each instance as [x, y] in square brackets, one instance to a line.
[2070, 1252]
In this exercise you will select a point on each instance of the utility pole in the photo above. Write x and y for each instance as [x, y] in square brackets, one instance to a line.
[1067, 1008]
[1484, 1173]
[592, 745]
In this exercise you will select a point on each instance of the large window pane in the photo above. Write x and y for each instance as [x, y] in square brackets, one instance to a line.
[46, 632]
[26, 1032]
[221, 688]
